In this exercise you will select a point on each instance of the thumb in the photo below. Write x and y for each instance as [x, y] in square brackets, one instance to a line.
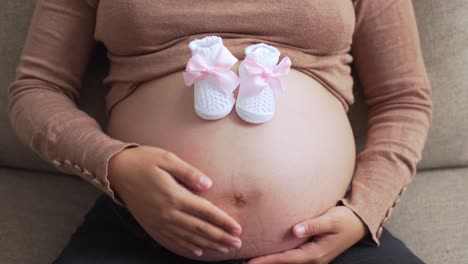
[315, 226]
[185, 172]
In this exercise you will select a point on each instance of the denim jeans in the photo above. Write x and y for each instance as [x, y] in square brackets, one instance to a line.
[110, 234]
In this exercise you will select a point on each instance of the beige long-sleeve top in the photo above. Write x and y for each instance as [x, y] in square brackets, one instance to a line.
[147, 39]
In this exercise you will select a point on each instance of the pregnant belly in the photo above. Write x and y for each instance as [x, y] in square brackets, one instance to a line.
[287, 170]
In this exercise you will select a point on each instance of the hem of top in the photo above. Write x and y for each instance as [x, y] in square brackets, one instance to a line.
[111, 105]
[329, 89]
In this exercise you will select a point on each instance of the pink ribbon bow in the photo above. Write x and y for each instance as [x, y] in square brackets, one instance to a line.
[226, 80]
[258, 75]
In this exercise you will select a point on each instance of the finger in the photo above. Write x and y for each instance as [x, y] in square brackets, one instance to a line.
[190, 246]
[198, 240]
[201, 207]
[206, 210]
[204, 229]
[194, 249]
[320, 225]
[197, 251]
[293, 256]
[184, 172]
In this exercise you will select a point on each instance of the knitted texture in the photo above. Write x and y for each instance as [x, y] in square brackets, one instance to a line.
[209, 102]
[259, 108]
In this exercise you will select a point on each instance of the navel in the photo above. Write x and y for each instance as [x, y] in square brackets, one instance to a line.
[239, 199]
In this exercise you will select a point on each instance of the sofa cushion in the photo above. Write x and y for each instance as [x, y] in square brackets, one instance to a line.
[39, 212]
[432, 216]
[443, 36]
[444, 41]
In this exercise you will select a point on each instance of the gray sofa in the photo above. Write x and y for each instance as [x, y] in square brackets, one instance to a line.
[41, 207]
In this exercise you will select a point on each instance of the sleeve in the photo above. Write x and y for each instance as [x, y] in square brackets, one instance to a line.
[388, 61]
[42, 100]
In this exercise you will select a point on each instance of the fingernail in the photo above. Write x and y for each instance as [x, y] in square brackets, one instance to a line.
[236, 228]
[198, 252]
[236, 243]
[223, 249]
[300, 230]
[205, 182]
[236, 231]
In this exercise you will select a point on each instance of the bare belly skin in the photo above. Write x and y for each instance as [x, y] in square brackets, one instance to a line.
[269, 176]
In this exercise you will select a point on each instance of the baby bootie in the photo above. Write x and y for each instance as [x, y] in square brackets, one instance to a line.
[209, 70]
[259, 76]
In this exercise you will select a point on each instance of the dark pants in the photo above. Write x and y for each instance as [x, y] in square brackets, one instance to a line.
[110, 234]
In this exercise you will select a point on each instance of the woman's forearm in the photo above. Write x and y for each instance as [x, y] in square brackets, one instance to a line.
[42, 99]
[390, 67]
[61, 134]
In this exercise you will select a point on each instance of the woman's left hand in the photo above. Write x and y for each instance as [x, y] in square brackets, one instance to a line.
[332, 233]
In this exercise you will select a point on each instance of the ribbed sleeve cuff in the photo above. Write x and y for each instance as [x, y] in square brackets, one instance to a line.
[102, 169]
[375, 190]
[64, 135]
[90, 160]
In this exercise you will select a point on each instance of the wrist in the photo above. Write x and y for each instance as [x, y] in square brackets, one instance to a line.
[362, 226]
[114, 175]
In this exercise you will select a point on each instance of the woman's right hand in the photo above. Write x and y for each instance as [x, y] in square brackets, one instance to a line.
[145, 178]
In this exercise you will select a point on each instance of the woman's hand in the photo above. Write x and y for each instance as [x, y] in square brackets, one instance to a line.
[331, 233]
[147, 179]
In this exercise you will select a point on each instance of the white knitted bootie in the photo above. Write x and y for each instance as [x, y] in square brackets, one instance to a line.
[256, 99]
[209, 70]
